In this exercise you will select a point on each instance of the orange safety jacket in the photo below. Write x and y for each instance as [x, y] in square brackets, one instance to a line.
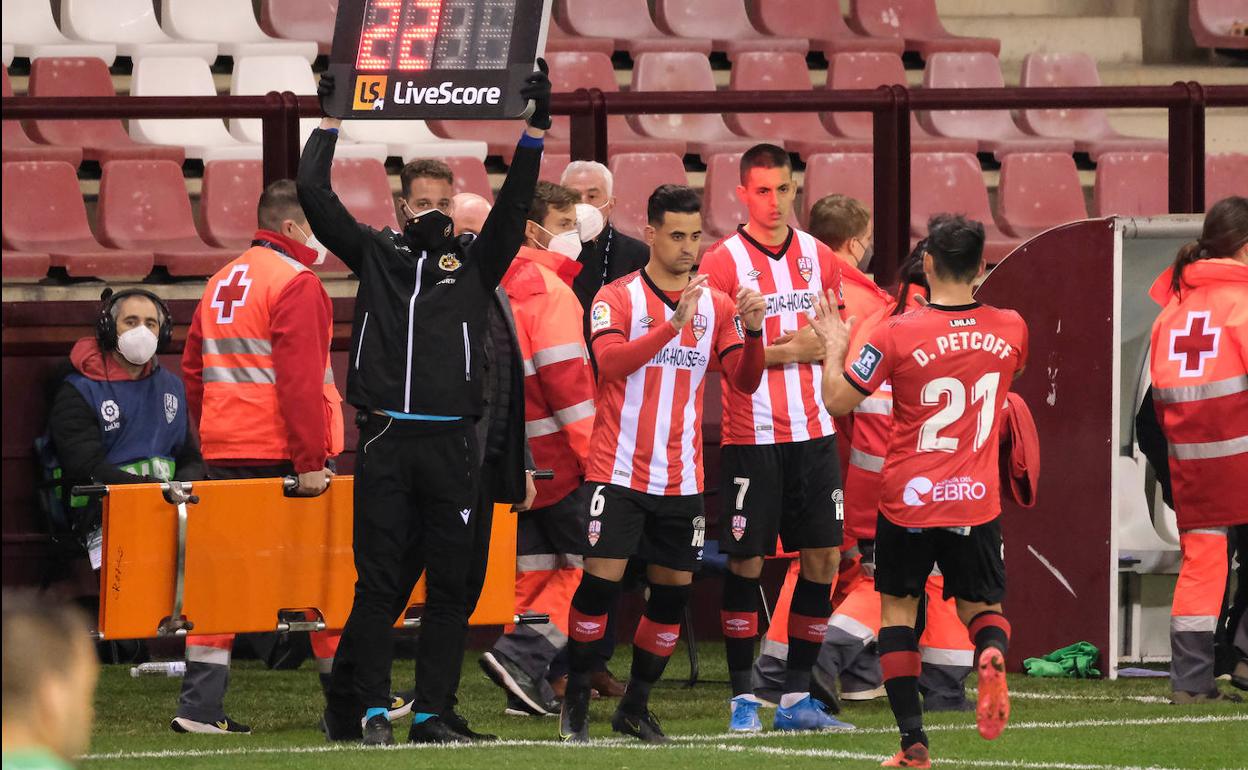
[558, 378]
[1199, 365]
[233, 332]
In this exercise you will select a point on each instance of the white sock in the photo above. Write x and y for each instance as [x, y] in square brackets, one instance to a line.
[747, 696]
[791, 699]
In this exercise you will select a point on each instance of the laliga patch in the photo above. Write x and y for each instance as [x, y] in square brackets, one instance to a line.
[449, 262]
[698, 326]
[736, 322]
[595, 532]
[599, 317]
[738, 527]
[805, 268]
[868, 359]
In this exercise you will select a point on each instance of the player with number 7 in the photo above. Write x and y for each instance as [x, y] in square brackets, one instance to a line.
[950, 364]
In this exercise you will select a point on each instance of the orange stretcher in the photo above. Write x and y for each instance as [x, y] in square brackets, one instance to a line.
[241, 556]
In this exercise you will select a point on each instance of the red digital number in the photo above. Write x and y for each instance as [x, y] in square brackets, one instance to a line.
[398, 34]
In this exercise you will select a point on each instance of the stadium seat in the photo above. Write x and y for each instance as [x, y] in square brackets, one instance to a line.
[470, 176]
[552, 167]
[558, 40]
[1089, 128]
[1131, 184]
[864, 71]
[143, 205]
[300, 20]
[1211, 22]
[802, 131]
[636, 175]
[258, 75]
[725, 22]
[953, 183]
[231, 24]
[130, 25]
[205, 139]
[364, 188]
[6, 52]
[570, 71]
[100, 140]
[1039, 191]
[30, 29]
[851, 174]
[626, 23]
[993, 129]
[722, 210]
[44, 213]
[822, 25]
[16, 145]
[1226, 174]
[408, 139]
[24, 266]
[705, 133]
[227, 202]
[499, 136]
[917, 23]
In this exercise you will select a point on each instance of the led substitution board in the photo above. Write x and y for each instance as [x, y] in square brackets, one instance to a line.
[441, 59]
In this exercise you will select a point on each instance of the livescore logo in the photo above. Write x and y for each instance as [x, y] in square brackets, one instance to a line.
[370, 93]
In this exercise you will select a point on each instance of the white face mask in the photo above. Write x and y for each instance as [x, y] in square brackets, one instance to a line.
[568, 244]
[312, 243]
[589, 221]
[137, 345]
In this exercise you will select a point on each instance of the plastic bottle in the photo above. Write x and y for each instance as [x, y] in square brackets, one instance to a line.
[165, 668]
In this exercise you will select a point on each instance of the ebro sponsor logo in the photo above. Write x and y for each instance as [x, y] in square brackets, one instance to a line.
[445, 93]
[954, 490]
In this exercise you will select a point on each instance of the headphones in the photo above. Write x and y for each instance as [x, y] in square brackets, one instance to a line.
[106, 325]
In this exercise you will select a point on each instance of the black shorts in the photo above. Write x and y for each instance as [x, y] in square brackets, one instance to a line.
[971, 559]
[559, 528]
[669, 531]
[790, 490]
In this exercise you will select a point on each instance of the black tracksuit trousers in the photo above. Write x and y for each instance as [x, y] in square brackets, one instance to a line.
[416, 501]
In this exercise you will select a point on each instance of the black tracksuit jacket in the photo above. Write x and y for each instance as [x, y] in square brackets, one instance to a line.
[420, 317]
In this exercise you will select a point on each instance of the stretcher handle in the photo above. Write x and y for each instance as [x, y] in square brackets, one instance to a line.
[179, 493]
[291, 483]
[523, 619]
[543, 474]
[89, 490]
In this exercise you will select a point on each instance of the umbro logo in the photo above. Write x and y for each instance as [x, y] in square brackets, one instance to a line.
[738, 623]
[587, 627]
[647, 321]
[753, 274]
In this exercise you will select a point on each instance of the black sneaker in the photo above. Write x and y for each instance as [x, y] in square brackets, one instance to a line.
[515, 682]
[460, 725]
[574, 716]
[336, 729]
[434, 730]
[224, 726]
[823, 688]
[377, 732]
[644, 727]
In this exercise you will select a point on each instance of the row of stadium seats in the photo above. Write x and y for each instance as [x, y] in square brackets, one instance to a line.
[145, 219]
[806, 134]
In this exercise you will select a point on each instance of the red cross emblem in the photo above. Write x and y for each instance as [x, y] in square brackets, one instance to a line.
[1191, 346]
[231, 292]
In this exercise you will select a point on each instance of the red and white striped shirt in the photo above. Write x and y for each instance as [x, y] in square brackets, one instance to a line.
[788, 407]
[648, 424]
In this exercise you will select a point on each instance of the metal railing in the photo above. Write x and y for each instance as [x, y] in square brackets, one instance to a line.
[890, 106]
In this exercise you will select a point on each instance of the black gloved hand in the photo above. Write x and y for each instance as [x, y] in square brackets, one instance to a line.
[537, 88]
[325, 89]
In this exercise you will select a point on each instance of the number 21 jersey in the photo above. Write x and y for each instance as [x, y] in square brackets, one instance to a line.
[950, 368]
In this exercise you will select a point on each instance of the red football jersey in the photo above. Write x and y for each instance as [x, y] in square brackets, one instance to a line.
[788, 406]
[648, 427]
[950, 368]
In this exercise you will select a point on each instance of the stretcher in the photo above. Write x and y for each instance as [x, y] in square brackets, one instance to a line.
[218, 557]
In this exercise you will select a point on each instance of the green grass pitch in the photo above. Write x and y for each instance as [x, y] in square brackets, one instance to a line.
[1071, 725]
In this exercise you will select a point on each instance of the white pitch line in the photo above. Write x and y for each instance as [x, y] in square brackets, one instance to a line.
[678, 741]
[1014, 694]
[1023, 765]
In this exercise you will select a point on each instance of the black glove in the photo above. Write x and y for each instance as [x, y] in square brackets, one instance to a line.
[537, 88]
[325, 89]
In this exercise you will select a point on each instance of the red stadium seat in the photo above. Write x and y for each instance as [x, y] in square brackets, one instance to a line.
[864, 71]
[722, 210]
[44, 212]
[1131, 184]
[725, 22]
[227, 202]
[953, 183]
[637, 174]
[818, 21]
[24, 266]
[470, 176]
[570, 71]
[851, 174]
[706, 134]
[626, 24]
[1089, 128]
[1211, 22]
[364, 188]
[1039, 191]
[802, 131]
[143, 205]
[917, 23]
[16, 145]
[100, 140]
[553, 166]
[300, 20]
[1226, 174]
[994, 129]
[559, 41]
